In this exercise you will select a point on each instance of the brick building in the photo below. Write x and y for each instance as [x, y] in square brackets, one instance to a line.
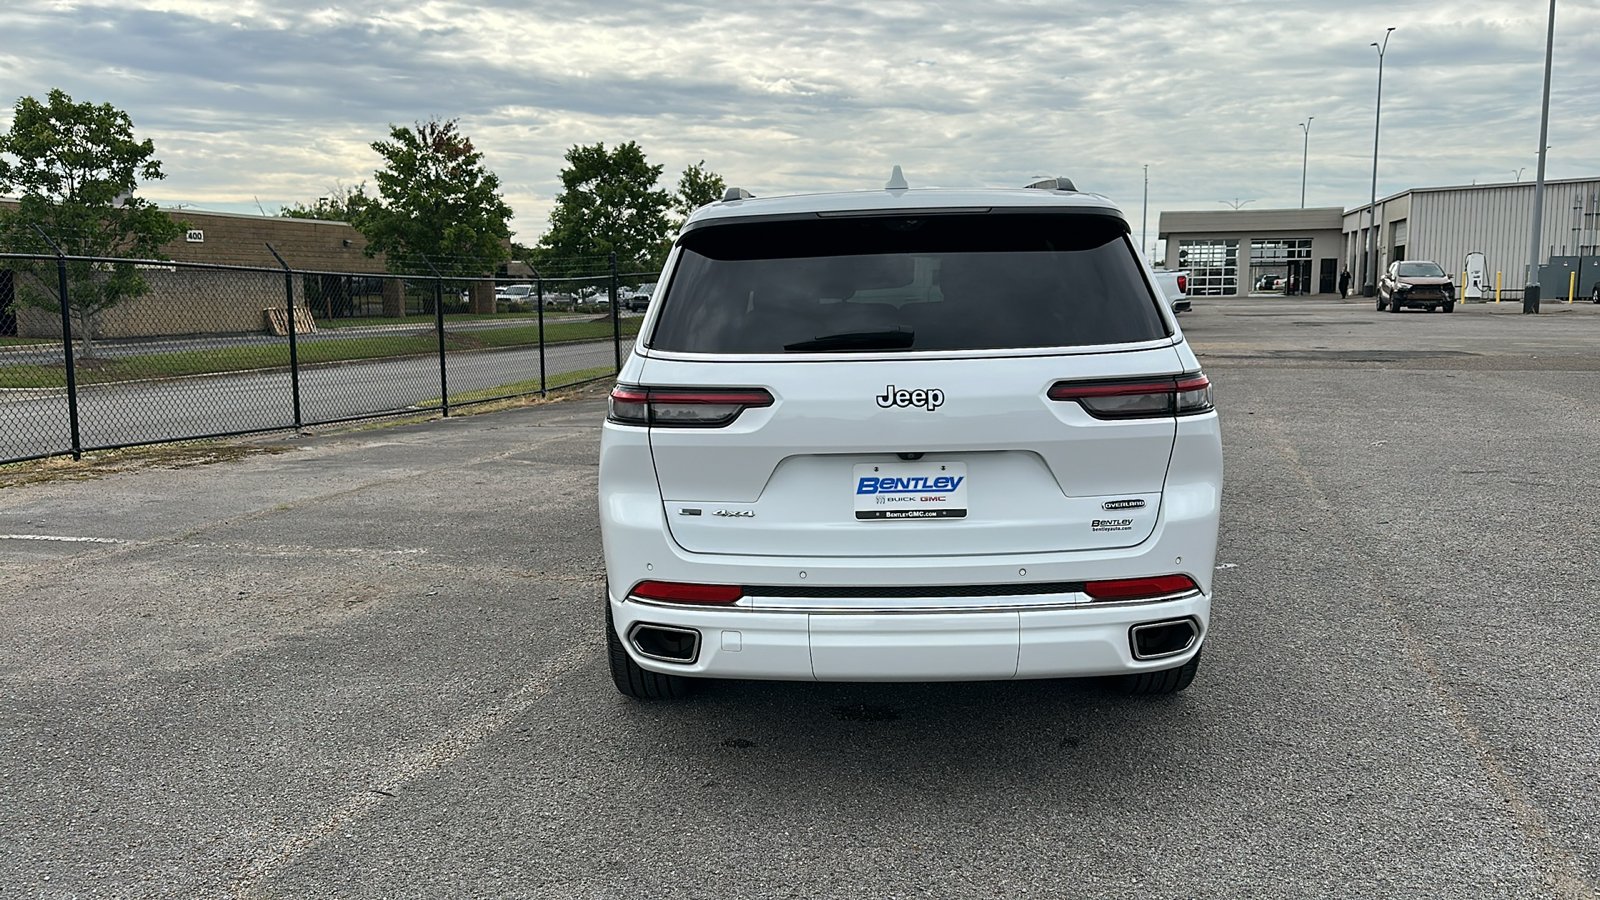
[335, 274]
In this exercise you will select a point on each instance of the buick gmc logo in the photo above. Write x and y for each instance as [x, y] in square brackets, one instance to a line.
[929, 399]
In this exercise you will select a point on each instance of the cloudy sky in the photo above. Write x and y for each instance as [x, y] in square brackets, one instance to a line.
[277, 102]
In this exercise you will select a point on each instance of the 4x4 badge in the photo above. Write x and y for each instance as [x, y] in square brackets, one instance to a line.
[929, 399]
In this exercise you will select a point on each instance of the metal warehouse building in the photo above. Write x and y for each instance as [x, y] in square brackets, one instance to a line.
[1445, 224]
[1235, 252]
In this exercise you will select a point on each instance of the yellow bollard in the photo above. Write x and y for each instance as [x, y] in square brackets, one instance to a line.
[1463, 292]
[1497, 287]
[1572, 286]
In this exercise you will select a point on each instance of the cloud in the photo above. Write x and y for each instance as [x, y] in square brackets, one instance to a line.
[281, 100]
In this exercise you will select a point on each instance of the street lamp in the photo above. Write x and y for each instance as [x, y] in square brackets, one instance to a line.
[1369, 277]
[1236, 203]
[1144, 220]
[1304, 155]
[1530, 292]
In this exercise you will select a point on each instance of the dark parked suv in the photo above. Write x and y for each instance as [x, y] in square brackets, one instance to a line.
[1416, 283]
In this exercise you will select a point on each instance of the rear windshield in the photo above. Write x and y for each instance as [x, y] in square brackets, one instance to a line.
[936, 282]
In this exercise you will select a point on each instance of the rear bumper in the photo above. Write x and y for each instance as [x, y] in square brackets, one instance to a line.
[1060, 642]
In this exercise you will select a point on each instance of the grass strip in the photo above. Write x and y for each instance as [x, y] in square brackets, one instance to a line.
[104, 370]
[422, 319]
[100, 463]
[426, 319]
[527, 386]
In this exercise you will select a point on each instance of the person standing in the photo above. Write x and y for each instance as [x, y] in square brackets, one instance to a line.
[1344, 284]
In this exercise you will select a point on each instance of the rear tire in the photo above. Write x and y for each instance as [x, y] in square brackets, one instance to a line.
[1166, 681]
[632, 680]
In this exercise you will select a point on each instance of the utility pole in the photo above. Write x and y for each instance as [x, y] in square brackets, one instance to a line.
[1144, 220]
[1305, 154]
[1530, 292]
[1369, 278]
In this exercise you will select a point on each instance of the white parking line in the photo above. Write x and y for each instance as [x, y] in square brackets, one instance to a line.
[58, 537]
[464, 737]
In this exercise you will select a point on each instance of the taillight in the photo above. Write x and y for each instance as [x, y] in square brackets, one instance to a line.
[1138, 398]
[677, 592]
[1183, 284]
[668, 407]
[1140, 588]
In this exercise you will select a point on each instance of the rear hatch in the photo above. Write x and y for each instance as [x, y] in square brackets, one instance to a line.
[910, 387]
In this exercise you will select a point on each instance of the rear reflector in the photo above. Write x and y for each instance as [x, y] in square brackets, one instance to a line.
[682, 407]
[1140, 588]
[676, 592]
[1138, 398]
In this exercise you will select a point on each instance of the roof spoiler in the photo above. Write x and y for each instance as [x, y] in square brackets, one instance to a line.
[1053, 184]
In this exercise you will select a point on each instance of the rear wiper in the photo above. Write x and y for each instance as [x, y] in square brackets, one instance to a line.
[894, 339]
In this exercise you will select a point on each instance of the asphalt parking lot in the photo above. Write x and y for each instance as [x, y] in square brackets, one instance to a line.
[370, 665]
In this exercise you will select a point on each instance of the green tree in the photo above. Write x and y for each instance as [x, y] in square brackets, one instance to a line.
[74, 168]
[435, 199]
[343, 204]
[697, 186]
[610, 203]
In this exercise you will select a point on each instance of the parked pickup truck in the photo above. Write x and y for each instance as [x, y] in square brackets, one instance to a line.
[1175, 287]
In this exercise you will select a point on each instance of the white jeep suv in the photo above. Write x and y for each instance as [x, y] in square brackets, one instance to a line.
[909, 435]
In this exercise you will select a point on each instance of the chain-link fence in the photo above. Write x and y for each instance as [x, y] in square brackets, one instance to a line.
[104, 353]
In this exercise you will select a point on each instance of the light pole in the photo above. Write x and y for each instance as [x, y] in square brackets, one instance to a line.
[1144, 219]
[1369, 278]
[1305, 153]
[1530, 292]
[1236, 203]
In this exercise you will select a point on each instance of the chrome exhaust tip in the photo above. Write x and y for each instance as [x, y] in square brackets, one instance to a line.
[1159, 640]
[666, 643]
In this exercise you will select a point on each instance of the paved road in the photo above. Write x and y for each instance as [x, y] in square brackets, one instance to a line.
[34, 422]
[370, 667]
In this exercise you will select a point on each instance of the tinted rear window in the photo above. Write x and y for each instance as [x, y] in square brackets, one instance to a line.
[936, 282]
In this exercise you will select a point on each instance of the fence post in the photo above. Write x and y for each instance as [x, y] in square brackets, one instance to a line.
[538, 281]
[438, 325]
[616, 317]
[294, 347]
[66, 343]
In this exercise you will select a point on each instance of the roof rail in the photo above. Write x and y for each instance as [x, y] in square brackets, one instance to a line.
[735, 193]
[1053, 184]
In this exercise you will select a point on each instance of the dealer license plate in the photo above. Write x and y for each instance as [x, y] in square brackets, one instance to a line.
[911, 490]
